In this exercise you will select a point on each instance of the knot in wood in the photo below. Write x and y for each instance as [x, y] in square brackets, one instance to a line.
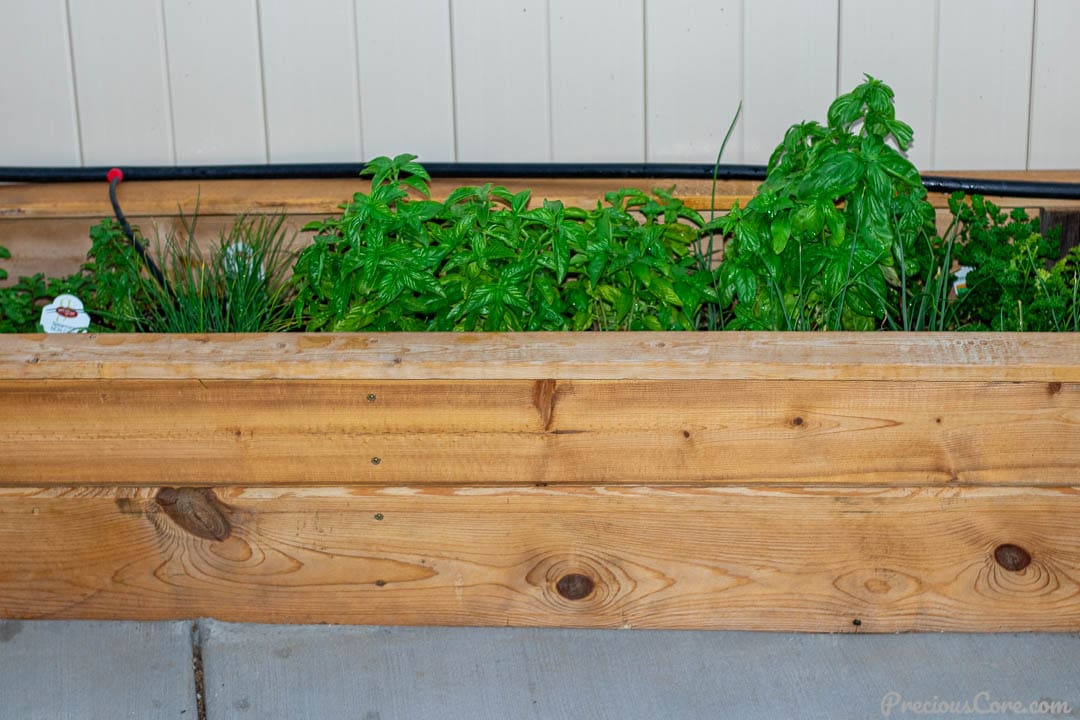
[1012, 557]
[197, 511]
[575, 586]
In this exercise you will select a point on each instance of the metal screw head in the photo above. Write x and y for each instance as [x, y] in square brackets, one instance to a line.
[378, 516]
[376, 461]
[371, 397]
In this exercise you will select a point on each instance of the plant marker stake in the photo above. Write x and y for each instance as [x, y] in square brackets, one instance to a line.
[115, 176]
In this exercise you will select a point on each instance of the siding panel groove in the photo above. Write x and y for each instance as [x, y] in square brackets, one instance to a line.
[985, 83]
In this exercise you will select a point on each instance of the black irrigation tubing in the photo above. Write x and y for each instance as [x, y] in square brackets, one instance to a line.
[612, 171]
[114, 176]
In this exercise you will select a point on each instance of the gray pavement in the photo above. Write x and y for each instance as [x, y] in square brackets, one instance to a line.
[144, 670]
[56, 670]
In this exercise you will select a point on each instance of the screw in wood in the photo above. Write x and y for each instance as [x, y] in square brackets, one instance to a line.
[378, 516]
[376, 461]
[371, 397]
[575, 586]
[1012, 557]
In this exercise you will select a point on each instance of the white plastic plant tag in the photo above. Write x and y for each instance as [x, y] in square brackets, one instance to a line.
[64, 314]
[960, 284]
[239, 258]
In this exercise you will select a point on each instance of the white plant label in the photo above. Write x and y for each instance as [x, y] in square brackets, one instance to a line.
[960, 285]
[240, 257]
[65, 314]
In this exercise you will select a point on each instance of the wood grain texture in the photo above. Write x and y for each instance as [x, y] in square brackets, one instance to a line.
[58, 246]
[512, 432]
[316, 196]
[927, 357]
[45, 226]
[802, 559]
[223, 197]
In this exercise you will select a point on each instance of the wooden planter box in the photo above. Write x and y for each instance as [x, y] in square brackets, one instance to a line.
[767, 481]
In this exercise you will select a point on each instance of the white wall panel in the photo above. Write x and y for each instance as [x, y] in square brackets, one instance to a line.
[406, 83]
[896, 43]
[984, 71]
[309, 72]
[38, 119]
[216, 80]
[693, 66]
[501, 80]
[122, 82]
[597, 80]
[1055, 95]
[228, 81]
[790, 69]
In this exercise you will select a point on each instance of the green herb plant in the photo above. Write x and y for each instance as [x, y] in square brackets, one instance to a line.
[240, 286]
[1010, 286]
[840, 229]
[105, 283]
[484, 260]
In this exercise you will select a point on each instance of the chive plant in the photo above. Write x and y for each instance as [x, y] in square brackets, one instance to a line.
[240, 286]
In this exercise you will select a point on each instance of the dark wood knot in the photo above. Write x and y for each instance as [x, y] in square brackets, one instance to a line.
[197, 511]
[575, 586]
[1012, 557]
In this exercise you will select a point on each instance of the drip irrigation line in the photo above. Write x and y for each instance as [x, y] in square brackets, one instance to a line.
[610, 171]
[115, 176]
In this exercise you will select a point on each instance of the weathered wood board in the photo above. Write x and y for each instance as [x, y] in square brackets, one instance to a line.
[45, 226]
[742, 480]
[833, 482]
[537, 432]
[761, 558]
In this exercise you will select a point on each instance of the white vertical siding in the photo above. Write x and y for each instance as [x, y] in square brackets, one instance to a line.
[122, 82]
[309, 72]
[406, 78]
[693, 79]
[906, 62]
[501, 80]
[597, 80]
[984, 83]
[216, 79]
[1054, 134]
[789, 66]
[38, 118]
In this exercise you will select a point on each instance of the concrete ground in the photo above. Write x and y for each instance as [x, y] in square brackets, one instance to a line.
[218, 670]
